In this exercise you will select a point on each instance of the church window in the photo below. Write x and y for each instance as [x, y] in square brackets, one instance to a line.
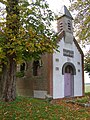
[21, 70]
[68, 69]
[22, 67]
[35, 68]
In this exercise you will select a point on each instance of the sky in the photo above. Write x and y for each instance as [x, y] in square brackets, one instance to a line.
[57, 4]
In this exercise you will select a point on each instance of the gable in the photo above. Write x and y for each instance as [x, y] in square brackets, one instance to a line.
[63, 35]
[78, 47]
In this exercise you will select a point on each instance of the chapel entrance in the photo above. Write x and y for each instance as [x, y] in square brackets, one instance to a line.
[69, 71]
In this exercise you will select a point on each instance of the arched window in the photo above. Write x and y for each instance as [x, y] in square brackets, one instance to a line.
[22, 67]
[69, 68]
[35, 68]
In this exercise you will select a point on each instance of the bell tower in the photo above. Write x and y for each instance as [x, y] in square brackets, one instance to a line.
[64, 23]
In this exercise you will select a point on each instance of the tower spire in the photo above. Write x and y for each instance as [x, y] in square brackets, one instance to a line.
[65, 12]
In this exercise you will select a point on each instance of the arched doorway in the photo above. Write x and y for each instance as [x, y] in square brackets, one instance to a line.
[68, 71]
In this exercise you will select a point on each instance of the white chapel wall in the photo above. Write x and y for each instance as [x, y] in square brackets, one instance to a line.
[58, 61]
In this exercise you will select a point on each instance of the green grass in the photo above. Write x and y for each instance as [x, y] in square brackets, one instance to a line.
[35, 109]
[87, 88]
[87, 94]
[83, 99]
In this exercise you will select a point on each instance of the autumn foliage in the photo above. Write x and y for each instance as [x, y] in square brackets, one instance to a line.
[25, 34]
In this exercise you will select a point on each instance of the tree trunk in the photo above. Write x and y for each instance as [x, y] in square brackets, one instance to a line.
[9, 69]
[9, 81]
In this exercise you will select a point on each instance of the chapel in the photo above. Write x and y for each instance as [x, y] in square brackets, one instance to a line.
[60, 74]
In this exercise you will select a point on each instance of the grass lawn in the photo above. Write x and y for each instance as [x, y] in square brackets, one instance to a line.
[87, 88]
[35, 109]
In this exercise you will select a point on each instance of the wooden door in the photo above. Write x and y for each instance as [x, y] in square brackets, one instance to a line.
[67, 84]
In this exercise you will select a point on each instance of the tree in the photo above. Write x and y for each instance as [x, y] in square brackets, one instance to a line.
[87, 62]
[25, 34]
[82, 26]
[82, 20]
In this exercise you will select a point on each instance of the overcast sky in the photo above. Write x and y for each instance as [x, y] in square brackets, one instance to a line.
[57, 4]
